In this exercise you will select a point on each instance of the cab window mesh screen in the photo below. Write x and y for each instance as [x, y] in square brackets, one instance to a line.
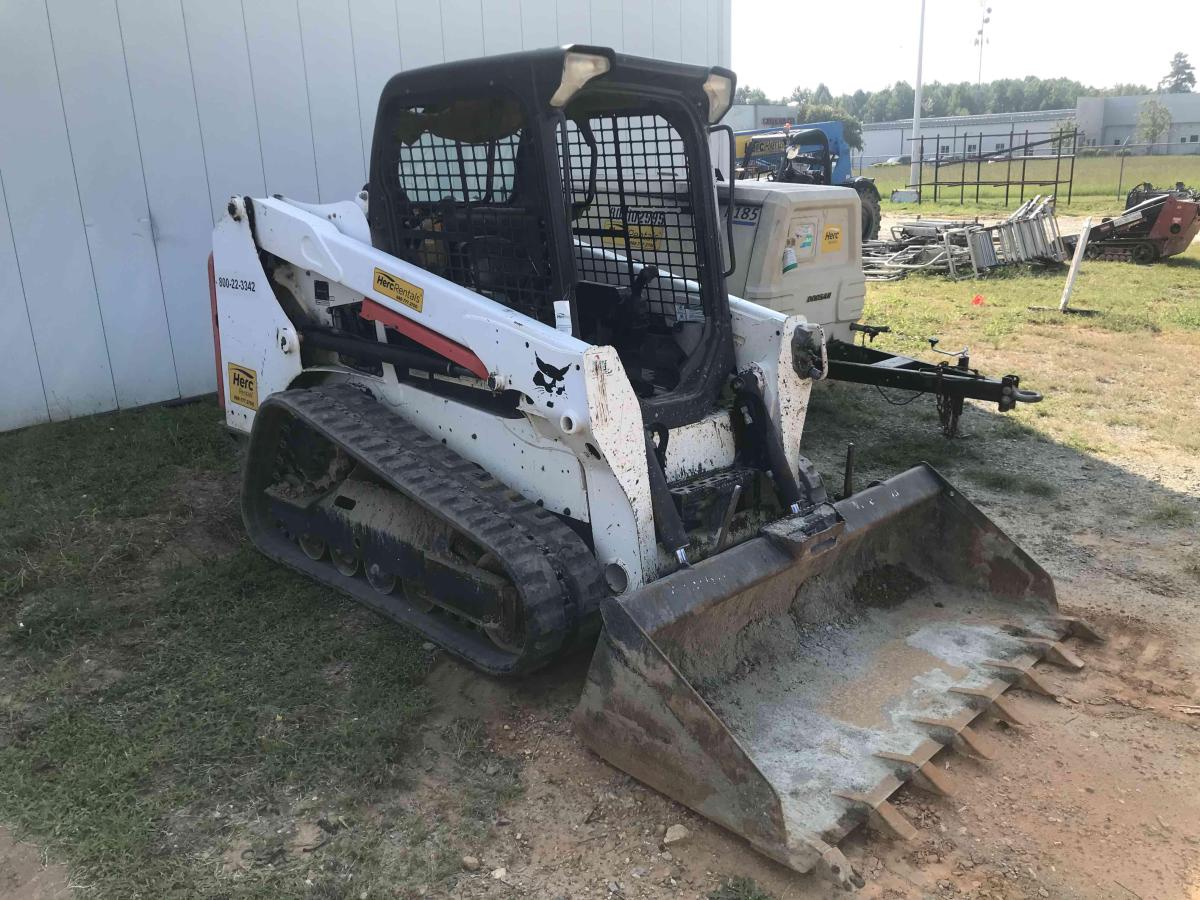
[437, 168]
[641, 213]
[464, 212]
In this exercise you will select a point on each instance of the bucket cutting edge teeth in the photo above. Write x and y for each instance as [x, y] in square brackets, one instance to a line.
[1056, 628]
[991, 697]
[882, 815]
[921, 771]
[1073, 626]
[1020, 672]
[956, 732]
[1055, 652]
[959, 734]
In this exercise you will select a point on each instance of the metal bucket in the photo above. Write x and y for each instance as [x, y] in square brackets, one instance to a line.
[785, 688]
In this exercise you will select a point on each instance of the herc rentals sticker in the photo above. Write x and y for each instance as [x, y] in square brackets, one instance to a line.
[831, 239]
[398, 289]
[645, 229]
[243, 386]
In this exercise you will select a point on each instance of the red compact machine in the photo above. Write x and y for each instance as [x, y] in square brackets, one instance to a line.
[1156, 224]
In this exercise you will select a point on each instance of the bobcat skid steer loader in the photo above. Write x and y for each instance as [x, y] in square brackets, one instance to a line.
[505, 399]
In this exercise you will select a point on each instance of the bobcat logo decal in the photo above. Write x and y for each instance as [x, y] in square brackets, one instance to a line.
[548, 377]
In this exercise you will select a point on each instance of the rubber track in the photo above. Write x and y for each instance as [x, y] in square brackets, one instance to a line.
[559, 580]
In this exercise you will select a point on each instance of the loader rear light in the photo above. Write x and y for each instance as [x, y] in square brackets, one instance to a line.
[216, 327]
[719, 89]
[578, 70]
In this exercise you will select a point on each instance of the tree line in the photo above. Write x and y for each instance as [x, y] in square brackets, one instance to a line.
[964, 98]
[1003, 95]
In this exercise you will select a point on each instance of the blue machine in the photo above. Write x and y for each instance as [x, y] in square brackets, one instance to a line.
[813, 153]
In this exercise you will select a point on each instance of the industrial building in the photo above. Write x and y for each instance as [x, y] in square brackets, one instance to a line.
[959, 134]
[1111, 121]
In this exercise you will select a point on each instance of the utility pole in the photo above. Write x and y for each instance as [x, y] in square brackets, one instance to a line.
[984, 18]
[914, 170]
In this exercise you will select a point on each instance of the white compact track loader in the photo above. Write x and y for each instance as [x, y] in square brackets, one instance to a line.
[506, 398]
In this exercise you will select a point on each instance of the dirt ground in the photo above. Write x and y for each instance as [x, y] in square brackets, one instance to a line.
[26, 875]
[1095, 798]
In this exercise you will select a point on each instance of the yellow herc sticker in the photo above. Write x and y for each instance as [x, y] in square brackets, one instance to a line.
[398, 289]
[641, 237]
[831, 239]
[243, 386]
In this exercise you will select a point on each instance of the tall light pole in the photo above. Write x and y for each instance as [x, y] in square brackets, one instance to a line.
[914, 171]
[981, 39]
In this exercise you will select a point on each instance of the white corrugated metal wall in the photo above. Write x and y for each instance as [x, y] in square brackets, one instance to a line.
[126, 124]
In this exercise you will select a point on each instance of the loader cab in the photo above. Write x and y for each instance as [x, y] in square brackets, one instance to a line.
[574, 186]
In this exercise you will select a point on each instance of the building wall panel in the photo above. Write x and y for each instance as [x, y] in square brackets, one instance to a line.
[112, 193]
[333, 98]
[129, 123]
[276, 59]
[20, 373]
[176, 176]
[47, 221]
[375, 30]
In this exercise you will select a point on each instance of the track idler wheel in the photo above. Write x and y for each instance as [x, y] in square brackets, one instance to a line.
[346, 563]
[1145, 253]
[313, 547]
[508, 633]
[380, 578]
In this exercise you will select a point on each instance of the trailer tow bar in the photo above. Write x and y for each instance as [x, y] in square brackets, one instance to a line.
[950, 384]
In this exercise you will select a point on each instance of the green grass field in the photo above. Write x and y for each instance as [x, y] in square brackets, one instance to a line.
[1109, 381]
[1095, 184]
[177, 711]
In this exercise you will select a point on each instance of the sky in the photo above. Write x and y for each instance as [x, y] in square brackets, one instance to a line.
[869, 44]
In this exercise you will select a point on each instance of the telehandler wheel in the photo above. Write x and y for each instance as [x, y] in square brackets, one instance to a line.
[871, 215]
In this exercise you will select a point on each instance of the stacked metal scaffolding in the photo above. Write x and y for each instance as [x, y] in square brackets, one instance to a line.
[962, 249]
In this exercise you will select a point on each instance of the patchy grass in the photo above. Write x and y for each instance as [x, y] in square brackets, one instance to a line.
[1103, 376]
[91, 499]
[181, 715]
[1005, 482]
[739, 888]
[1169, 514]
